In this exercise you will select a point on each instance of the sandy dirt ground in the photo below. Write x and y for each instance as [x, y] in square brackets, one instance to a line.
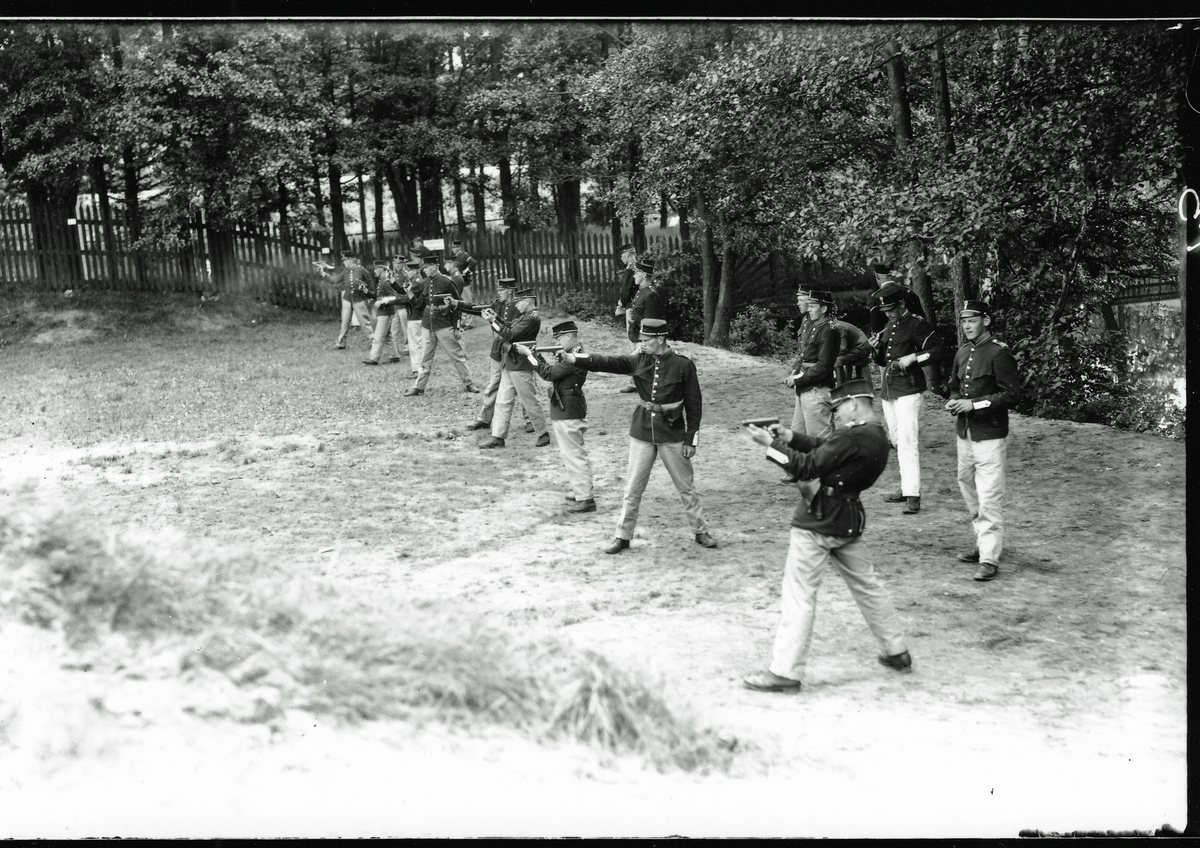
[1051, 699]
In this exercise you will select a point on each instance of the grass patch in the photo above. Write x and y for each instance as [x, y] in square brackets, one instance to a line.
[332, 651]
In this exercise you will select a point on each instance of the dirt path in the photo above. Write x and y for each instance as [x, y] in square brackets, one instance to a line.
[1053, 698]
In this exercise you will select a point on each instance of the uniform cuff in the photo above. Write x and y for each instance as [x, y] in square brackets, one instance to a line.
[980, 404]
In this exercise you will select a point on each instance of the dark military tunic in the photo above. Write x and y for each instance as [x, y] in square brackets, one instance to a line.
[506, 311]
[846, 463]
[818, 350]
[985, 372]
[629, 288]
[911, 334]
[390, 287]
[666, 380]
[522, 328]
[566, 388]
[647, 304]
[438, 315]
[854, 349]
[357, 283]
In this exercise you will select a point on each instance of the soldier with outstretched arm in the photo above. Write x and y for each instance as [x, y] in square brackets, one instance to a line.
[517, 374]
[358, 288]
[666, 425]
[827, 530]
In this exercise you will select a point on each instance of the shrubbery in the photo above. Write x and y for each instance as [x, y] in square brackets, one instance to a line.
[755, 331]
[582, 305]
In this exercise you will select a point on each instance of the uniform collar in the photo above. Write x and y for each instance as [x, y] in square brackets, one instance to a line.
[982, 340]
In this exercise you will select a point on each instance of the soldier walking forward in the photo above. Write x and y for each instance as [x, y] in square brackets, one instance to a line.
[828, 530]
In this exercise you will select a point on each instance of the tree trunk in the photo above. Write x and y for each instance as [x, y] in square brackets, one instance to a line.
[964, 290]
[404, 222]
[337, 212]
[362, 206]
[508, 204]
[377, 191]
[709, 267]
[685, 228]
[639, 232]
[318, 197]
[901, 113]
[718, 336]
[941, 89]
[100, 181]
[285, 201]
[429, 174]
[570, 218]
[54, 239]
[460, 223]
[664, 211]
[133, 212]
[477, 198]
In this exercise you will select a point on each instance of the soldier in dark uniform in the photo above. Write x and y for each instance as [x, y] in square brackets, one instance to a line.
[517, 380]
[984, 386]
[812, 375]
[506, 310]
[358, 287]
[440, 322]
[900, 349]
[629, 290]
[854, 352]
[828, 530]
[884, 275]
[419, 251]
[568, 414]
[466, 267]
[648, 302]
[802, 304]
[666, 425]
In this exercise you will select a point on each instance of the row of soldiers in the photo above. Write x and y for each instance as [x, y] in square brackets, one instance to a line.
[831, 465]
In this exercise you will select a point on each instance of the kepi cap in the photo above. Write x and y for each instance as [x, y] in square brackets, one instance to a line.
[624, 247]
[972, 308]
[851, 389]
[888, 295]
[506, 283]
[822, 297]
[653, 327]
[564, 327]
[524, 293]
[646, 266]
[431, 259]
[413, 263]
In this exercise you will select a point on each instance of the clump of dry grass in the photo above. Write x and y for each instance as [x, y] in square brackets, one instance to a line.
[352, 656]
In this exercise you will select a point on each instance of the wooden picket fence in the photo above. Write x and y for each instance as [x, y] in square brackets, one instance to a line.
[274, 266]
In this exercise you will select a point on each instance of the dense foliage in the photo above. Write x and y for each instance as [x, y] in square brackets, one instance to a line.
[1033, 164]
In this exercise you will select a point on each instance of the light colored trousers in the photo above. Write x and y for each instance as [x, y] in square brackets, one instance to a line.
[486, 412]
[349, 309]
[813, 414]
[387, 331]
[513, 385]
[416, 344]
[903, 417]
[641, 460]
[568, 432]
[981, 479]
[444, 336]
[808, 555]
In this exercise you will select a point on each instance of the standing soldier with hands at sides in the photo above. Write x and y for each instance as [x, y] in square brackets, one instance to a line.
[904, 344]
[441, 325]
[813, 373]
[517, 374]
[629, 290]
[357, 288]
[802, 296]
[984, 386]
[568, 414]
[666, 425]
[828, 530]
